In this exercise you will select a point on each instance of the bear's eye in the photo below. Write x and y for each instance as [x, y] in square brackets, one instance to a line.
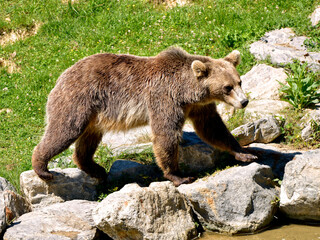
[228, 89]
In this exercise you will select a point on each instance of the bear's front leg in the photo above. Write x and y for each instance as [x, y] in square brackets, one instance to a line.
[165, 148]
[210, 128]
[166, 121]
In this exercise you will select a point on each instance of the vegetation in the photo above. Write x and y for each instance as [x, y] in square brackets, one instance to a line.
[68, 32]
[303, 84]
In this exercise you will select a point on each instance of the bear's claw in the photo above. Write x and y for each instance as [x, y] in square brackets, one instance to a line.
[245, 157]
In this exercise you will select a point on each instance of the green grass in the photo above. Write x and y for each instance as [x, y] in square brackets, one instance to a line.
[71, 32]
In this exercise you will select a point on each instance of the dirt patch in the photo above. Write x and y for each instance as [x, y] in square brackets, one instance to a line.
[71, 1]
[10, 65]
[170, 3]
[20, 34]
[6, 110]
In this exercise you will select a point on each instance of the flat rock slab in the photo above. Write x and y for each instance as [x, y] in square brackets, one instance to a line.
[120, 141]
[266, 107]
[61, 221]
[300, 188]
[282, 47]
[235, 200]
[67, 184]
[155, 212]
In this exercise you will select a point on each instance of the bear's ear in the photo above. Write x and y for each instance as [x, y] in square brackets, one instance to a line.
[199, 68]
[233, 57]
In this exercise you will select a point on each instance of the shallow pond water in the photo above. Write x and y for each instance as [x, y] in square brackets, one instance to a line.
[286, 232]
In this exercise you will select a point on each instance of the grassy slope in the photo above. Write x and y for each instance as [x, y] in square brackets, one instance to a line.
[71, 32]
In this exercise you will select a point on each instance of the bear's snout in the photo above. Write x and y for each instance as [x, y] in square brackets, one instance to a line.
[244, 103]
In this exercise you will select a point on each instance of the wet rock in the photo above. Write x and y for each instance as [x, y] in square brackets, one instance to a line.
[282, 47]
[300, 187]
[264, 130]
[261, 82]
[155, 212]
[315, 16]
[68, 184]
[68, 220]
[234, 200]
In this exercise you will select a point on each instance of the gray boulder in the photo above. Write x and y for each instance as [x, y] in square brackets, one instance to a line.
[274, 155]
[310, 125]
[6, 185]
[67, 184]
[195, 155]
[300, 198]
[235, 200]
[3, 218]
[60, 221]
[261, 82]
[155, 212]
[12, 205]
[282, 46]
[125, 171]
[264, 130]
[315, 16]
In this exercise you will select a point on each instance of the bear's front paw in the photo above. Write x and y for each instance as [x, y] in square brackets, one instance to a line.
[245, 157]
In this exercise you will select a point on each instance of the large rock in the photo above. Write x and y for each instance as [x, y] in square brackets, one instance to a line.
[310, 125]
[125, 171]
[274, 155]
[300, 198]
[282, 47]
[12, 205]
[264, 130]
[60, 221]
[234, 200]
[155, 212]
[67, 184]
[315, 16]
[261, 82]
[6, 185]
[195, 155]
[3, 219]
[133, 140]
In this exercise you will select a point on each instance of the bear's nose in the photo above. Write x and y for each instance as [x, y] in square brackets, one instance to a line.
[244, 103]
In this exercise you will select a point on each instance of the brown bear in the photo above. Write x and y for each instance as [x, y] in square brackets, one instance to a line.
[109, 92]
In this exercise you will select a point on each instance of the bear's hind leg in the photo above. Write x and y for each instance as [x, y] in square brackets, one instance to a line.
[55, 140]
[86, 145]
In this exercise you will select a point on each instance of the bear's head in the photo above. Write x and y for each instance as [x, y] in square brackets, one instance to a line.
[221, 78]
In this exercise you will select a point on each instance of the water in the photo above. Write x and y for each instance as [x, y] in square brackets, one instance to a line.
[286, 232]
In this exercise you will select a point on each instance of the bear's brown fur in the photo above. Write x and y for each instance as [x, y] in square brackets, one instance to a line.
[106, 92]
